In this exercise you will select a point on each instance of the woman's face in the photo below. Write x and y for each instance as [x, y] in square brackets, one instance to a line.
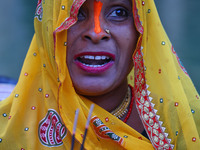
[100, 60]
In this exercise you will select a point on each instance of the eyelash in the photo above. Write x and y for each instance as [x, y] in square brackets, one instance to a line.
[118, 14]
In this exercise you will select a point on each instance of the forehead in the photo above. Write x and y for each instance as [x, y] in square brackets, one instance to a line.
[112, 1]
[123, 1]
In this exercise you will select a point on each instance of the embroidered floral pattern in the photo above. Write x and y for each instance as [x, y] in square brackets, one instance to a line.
[51, 131]
[104, 132]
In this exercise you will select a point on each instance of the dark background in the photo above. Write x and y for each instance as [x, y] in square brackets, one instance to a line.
[180, 18]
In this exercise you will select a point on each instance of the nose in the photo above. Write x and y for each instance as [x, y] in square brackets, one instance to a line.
[95, 37]
[95, 33]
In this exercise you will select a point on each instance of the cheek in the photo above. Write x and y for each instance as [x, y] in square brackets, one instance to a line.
[69, 48]
[128, 45]
[72, 38]
[132, 39]
[127, 40]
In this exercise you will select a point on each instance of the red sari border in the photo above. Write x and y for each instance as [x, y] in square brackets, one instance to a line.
[145, 107]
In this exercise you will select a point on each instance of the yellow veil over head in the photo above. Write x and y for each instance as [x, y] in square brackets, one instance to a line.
[39, 114]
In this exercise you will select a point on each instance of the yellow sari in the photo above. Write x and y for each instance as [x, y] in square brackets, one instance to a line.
[39, 114]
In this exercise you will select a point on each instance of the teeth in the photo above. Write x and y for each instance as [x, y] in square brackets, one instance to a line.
[91, 57]
[88, 57]
[100, 60]
[94, 66]
[95, 57]
[103, 57]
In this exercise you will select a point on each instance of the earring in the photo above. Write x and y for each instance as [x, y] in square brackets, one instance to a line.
[107, 31]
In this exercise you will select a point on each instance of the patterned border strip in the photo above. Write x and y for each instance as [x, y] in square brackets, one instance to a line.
[146, 109]
[137, 19]
[104, 132]
[73, 16]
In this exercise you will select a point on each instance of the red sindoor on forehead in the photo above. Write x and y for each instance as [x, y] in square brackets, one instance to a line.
[97, 10]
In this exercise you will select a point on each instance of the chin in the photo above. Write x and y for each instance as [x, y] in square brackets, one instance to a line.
[97, 89]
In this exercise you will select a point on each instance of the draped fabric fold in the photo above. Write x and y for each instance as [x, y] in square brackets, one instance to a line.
[39, 114]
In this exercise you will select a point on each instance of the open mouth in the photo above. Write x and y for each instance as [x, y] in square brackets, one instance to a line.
[94, 62]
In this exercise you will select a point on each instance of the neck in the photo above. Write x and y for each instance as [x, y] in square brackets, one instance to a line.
[112, 99]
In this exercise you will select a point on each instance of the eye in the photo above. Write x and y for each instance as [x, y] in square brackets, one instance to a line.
[81, 15]
[119, 14]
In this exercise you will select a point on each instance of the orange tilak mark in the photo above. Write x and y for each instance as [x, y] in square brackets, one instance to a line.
[97, 10]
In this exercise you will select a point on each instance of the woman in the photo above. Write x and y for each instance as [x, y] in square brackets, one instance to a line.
[86, 52]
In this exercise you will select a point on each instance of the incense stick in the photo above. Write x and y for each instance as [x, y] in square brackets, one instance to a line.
[87, 125]
[74, 128]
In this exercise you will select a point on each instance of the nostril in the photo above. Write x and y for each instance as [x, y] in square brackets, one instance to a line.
[105, 38]
[87, 37]
[96, 38]
[90, 35]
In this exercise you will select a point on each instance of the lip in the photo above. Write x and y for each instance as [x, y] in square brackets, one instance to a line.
[95, 69]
